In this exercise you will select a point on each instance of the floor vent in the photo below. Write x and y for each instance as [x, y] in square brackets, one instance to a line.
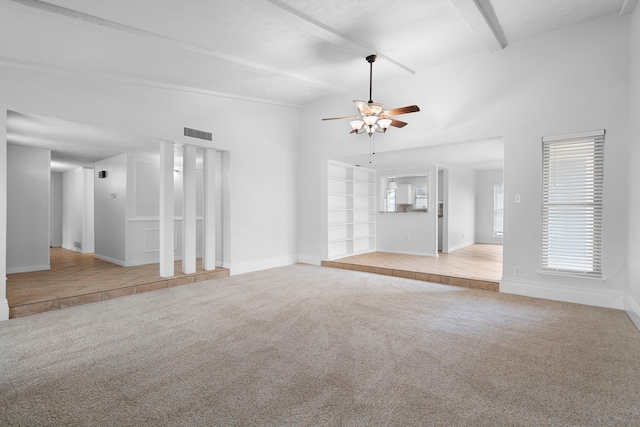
[200, 134]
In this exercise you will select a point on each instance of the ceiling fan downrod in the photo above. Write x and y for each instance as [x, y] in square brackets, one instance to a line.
[371, 59]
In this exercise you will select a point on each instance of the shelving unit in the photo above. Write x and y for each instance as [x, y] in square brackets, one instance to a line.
[351, 210]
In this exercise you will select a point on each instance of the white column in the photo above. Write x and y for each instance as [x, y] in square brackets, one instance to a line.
[166, 209]
[189, 210]
[4, 304]
[209, 220]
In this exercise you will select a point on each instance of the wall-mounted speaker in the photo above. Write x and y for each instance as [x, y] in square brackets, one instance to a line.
[102, 174]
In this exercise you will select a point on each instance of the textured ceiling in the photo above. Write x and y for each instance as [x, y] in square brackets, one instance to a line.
[289, 52]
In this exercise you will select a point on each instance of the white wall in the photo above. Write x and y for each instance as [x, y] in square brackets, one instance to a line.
[262, 224]
[4, 304]
[78, 210]
[56, 210]
[72, 205]
[88, 220]
[28, 193]
[632, 303]
[412, 233]
[461, 207]
[110, 202]
[528, 90]
[485, 181]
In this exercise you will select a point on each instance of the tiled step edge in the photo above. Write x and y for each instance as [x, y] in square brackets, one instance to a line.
[425, 277]
[58, 303]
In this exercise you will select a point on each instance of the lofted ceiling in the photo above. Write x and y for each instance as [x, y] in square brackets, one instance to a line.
[287, 52]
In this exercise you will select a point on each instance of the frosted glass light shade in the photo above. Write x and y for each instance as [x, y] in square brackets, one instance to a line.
[356, 125]
[384, 123]
[392, 185]
[370, 120]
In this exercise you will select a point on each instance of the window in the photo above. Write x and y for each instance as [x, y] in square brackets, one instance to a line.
[422, 199]
[391, 201]
[498, 209]
[572, 178]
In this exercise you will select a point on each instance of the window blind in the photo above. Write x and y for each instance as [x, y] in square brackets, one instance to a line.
[573, 167]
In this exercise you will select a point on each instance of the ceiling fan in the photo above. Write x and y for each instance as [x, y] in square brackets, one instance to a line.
[373, 117]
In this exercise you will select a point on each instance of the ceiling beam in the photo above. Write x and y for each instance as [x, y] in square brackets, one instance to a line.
[105, 23]
[332, 36]
[490, 35]
[628, 7]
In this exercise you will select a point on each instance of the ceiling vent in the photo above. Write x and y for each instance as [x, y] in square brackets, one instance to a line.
[200, 134]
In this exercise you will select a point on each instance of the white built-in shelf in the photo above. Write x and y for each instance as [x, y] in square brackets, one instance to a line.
[351, 210]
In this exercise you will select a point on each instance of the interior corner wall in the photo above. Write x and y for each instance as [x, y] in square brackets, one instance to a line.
[110, 198]
[56, 210]
[522, 93]
[88, 220]
[28, 203]
[4, 304]
[485, 181]
[461, 204]
[632, 300]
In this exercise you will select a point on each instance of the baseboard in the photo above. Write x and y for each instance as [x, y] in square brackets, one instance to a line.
[309, 259]
[251, 266]
[29, 269]
[632, 308]
[407, 253]
[595, 297]
[463, 245]
[111, 260]
[72, 248]
[4, 309]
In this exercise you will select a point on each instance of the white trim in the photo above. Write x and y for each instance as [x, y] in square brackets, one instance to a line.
[29, 269]
[332, 36]
[4, 309]
[52, 69]
[586, 134]
[403, 253]
[251, 266]
[632, 308]
[71, 248]
[594, 297]
[464, 245]
[111, 260]
[309, 259]
[628, 7]
[156, 37]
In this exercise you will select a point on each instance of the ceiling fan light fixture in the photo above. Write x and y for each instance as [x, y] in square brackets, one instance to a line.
[384, 123]
[356, 125]
[370, 120]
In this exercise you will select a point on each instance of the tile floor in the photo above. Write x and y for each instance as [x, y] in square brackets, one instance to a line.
[77, 278]
[477, 266]
[81, 278]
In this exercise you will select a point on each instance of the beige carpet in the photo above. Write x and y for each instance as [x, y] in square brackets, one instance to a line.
[313, 346]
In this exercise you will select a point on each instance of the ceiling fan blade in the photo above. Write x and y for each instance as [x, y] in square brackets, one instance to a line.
[341, 118]
[398, 123]
[363, 107]
[402, 110]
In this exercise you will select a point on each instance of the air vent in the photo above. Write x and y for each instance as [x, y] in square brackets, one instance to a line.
[200, 134]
